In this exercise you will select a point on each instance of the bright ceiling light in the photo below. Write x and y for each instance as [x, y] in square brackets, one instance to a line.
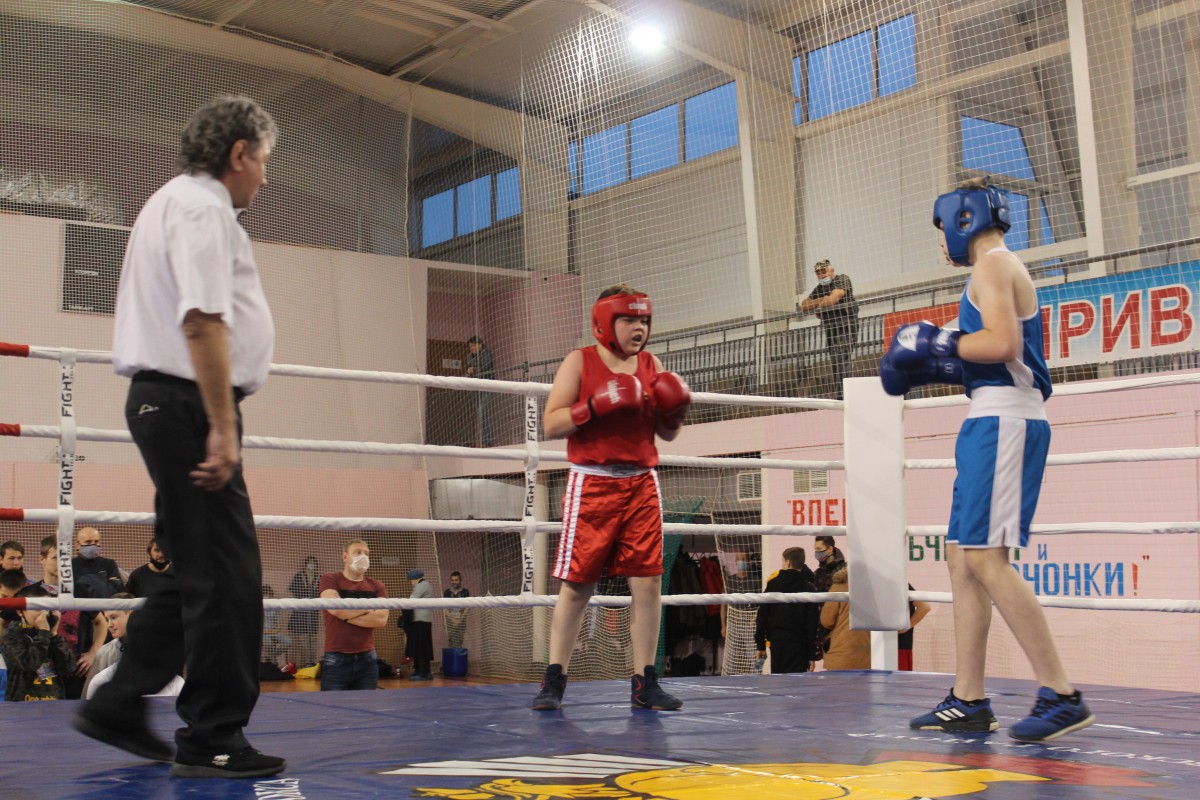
[647, 38]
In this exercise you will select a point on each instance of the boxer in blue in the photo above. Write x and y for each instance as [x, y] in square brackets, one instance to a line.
[1000, 455]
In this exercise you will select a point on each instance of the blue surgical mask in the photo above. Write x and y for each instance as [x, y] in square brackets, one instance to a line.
[825, 281]
[89, 550]
[742, 566]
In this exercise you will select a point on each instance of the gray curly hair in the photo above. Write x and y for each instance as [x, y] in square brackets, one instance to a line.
[213, 130]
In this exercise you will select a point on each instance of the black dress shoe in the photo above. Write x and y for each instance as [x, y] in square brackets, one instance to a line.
[137, 740]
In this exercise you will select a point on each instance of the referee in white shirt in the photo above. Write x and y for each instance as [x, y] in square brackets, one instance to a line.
[194, 332]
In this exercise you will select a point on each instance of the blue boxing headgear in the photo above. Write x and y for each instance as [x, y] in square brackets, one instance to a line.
[965, 212]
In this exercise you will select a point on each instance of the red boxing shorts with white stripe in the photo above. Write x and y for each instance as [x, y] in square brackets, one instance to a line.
[611, 524]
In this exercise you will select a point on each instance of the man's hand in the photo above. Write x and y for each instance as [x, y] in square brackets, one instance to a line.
[221, 463]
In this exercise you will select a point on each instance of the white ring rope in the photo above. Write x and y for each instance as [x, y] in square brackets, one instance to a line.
[67, 433]
[1068, 389]
[1058, 528]
[1066, 459]
[449, 382]
[50, 515]
[433, 450]
[610, 601]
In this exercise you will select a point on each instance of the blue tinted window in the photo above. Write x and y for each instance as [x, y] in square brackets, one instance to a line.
[654, 142]
[573, 168]
[474, 205]
[896, 43]
[995, 148]
[798, 90]
[604, 159]
[437, 218]
[1017, 237]
[840, 76]
[710, 121]
[508, 194]
[1047, 230]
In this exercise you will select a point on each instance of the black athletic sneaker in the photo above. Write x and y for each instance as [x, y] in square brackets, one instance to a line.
[554, 683]
[244, 763]
[953, 714]
[647, 693]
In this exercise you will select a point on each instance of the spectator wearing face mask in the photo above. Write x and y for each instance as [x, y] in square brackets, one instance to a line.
[829, 561]
[155, 574]
[89, 562]
[350, 661]
[832, 299]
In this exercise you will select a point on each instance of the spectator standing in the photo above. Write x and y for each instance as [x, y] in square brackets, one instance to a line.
[350, 662]
[791, 628]
[152, 576]
[480, 364]
[832, 299]
[456, 618]
[100, 575]
[72, 624]
[419, 643]
[12, 555]
[917, 609]
[303, 625]
[848, 649]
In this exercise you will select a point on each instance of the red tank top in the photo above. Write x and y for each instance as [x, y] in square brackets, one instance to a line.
[617, 438]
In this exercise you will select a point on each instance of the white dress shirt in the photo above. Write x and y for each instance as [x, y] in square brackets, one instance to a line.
[188, 251]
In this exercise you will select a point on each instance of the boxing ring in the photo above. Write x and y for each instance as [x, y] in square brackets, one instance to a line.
[813, 735]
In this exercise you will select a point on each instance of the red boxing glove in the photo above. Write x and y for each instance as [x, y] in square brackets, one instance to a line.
[620, 394]
[672, 397]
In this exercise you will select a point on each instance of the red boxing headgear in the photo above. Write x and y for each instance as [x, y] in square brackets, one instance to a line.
[606, 311]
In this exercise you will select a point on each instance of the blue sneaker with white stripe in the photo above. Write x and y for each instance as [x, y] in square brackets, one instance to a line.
[953, 714]
[1053, 716]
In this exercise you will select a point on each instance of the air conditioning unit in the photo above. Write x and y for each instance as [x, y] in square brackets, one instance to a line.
[749, 486]
[810, 481]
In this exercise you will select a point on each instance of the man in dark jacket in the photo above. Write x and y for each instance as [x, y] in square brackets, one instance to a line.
[790, 627]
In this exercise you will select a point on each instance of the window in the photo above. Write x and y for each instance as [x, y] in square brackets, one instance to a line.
[842, 75]
[654, 142]
[1047, 231]
[995, 148]
[474, 205]
[1017, 237]
[573, 168]
[710, 122]
[508, 194]
[896, 44]
[470, 207]
[437, 218]
[605, 160]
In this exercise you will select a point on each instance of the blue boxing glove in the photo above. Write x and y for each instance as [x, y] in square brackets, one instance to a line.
[918, 342]
[897, 381]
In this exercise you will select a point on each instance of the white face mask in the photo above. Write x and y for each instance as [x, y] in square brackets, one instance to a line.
[360, 563]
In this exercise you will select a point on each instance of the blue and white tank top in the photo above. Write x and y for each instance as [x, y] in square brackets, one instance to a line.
[1015, 388]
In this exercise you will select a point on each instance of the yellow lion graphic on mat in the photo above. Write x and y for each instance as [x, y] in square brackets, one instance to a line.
[893, 780]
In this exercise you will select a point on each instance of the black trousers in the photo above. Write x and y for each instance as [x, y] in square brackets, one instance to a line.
[789, 655]
[839, 344]
[209, 623]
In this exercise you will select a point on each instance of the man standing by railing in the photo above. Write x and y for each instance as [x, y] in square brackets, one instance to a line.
[832, 299]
